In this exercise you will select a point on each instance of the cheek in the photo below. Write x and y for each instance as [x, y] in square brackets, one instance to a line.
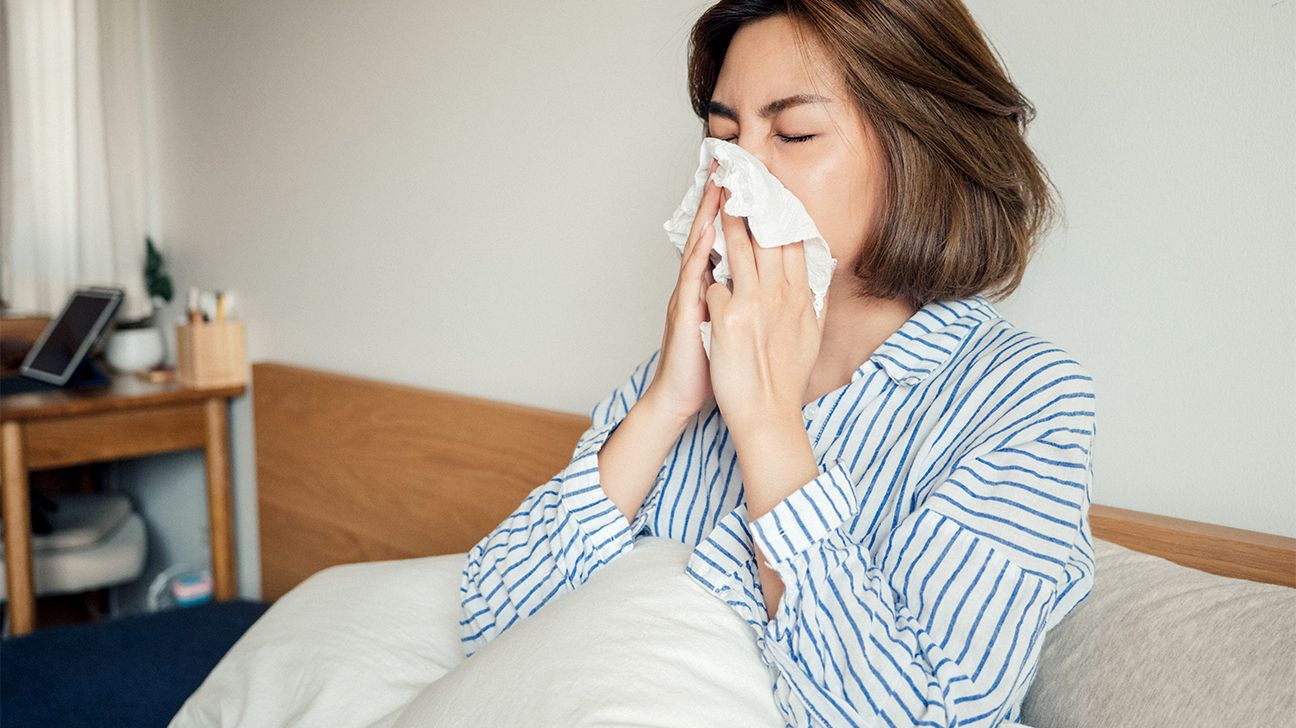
[812, 181]
[839, 192]
[840, 201]
[833, 206]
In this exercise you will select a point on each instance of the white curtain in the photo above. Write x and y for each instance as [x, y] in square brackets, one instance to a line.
[72, 165]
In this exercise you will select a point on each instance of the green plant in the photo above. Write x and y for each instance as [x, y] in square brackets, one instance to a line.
[158, 282]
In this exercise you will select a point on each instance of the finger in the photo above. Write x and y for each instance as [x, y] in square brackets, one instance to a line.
[696, 263]
[706, 209]
[794, 266]
[704, 217]
[738, 248]
[717, 298]
[769, 262]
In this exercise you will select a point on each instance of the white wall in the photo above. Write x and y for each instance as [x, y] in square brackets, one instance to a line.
[469, 196]
[1170, 128]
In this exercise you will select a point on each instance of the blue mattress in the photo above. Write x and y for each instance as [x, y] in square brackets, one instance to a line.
[130, 671]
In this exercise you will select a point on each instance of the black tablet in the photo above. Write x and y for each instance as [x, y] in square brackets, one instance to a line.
[66, 341]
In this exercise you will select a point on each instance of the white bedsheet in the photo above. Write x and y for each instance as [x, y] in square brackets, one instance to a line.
[353, 646]
[640, 644]
[350, 646]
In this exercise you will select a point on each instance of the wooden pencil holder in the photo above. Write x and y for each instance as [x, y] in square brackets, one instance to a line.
[211, 354]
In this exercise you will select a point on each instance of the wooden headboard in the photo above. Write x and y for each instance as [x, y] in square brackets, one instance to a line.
[352, 469]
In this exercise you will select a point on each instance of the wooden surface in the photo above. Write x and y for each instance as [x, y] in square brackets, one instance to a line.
[54, 442]
[17, 335]
[129, 418]
[125, 392]
[23, 328]
[14, 498]
[221, 518]
[351, 469]
[1218, 549]
[211, 353]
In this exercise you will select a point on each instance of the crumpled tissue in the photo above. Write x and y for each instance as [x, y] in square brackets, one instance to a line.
[776, 217]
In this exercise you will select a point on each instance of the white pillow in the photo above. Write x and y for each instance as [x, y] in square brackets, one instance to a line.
[349, 646]
[639, 644]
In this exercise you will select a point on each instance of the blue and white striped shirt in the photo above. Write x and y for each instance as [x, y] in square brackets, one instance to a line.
[946, 533]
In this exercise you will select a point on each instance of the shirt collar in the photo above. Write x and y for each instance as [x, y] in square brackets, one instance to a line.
[924, 342]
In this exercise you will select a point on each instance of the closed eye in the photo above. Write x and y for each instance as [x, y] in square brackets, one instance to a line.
[786, 139]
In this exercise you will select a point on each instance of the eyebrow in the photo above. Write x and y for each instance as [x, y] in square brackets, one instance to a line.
[715, 108]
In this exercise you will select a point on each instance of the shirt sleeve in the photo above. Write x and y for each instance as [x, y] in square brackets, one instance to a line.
[943, 624]
[563, 532]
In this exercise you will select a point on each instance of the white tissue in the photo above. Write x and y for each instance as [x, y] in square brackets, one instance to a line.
[776, 217]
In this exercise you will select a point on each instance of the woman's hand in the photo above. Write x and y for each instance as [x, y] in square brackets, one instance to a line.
[764, 335]
[682, 383]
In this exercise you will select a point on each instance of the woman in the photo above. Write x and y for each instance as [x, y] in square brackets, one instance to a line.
[894, 496]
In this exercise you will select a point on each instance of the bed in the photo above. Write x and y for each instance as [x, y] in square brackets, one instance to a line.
[338, 455]
[370, 493]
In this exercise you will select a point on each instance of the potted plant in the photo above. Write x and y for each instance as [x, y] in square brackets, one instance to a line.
[138, 345]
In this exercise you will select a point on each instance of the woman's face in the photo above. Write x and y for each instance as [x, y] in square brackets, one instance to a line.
[838, 173]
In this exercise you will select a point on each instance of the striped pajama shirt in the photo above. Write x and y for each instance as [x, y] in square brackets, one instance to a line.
[946, 533]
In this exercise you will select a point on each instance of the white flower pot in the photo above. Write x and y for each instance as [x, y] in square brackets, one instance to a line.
[135, 350]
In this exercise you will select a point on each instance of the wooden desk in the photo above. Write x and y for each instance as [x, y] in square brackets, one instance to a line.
[128, 419]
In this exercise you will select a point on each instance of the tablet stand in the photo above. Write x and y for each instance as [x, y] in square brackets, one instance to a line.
[87, 375]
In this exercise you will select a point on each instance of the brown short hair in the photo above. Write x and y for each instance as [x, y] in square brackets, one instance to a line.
[966, 200]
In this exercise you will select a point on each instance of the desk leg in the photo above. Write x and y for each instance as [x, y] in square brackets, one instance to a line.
[218, 501]
[17, 532]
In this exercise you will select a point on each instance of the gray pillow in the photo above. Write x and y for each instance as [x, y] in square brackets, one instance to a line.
[1158, 644]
